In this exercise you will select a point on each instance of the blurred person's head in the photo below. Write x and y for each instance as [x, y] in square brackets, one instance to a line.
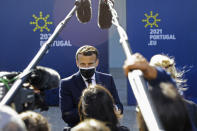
[170, 107]
[97, 102]
[168, 63]
[165, 62]
[35, 121]
[10, 120]
[91, 125]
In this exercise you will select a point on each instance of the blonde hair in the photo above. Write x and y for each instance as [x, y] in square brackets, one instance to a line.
[35, 121]
[87, 50]
[91, 125]
[168, 63]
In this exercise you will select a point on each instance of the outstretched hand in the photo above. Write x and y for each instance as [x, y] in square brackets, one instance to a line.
[138, 62]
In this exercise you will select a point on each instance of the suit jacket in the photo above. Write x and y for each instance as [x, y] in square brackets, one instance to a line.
[71, 90]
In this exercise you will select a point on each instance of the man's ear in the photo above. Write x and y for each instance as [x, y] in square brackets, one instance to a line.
[97, 62]
[77, 63]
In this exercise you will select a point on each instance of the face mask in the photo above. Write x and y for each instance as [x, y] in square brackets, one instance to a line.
[87, 72]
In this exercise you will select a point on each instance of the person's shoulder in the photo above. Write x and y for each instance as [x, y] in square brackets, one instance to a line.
[190, 103]
[69, 78]
[68, 82]
[104, 74]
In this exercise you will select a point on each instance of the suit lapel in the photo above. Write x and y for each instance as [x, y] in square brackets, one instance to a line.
[79, 82]
[97, 77]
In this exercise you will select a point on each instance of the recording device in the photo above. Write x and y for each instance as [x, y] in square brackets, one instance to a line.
[84, 11]
[31, 95]
[104, 15]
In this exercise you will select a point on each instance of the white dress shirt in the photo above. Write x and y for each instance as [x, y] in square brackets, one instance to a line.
[93, 80]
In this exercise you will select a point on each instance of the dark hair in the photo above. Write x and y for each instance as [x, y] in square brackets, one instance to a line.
[87, 50]
[170, 107]
[97, 102]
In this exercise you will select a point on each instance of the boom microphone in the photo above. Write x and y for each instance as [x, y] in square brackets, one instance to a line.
[104, 15]
[84, 11]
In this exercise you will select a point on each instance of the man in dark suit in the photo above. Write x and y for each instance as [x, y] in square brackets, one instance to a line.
[72, 87]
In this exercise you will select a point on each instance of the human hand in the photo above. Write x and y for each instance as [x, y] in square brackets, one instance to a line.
[138, 62]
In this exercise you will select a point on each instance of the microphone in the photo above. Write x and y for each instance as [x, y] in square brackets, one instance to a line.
[104, 15]
[84, 11]
[43, 78]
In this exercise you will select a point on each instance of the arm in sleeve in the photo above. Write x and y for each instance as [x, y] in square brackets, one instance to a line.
[115, 95]
[162, 76]
[69, 111]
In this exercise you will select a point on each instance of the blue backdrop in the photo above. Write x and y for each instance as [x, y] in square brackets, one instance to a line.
[26, 25]
[169, 27]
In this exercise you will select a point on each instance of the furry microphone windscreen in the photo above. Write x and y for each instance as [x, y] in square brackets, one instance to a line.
[104, 15]
[84, 11]
[44, 78]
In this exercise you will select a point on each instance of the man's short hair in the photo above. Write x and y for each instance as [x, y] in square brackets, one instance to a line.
[87, 50]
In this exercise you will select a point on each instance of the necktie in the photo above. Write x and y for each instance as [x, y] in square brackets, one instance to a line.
[89, 81]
